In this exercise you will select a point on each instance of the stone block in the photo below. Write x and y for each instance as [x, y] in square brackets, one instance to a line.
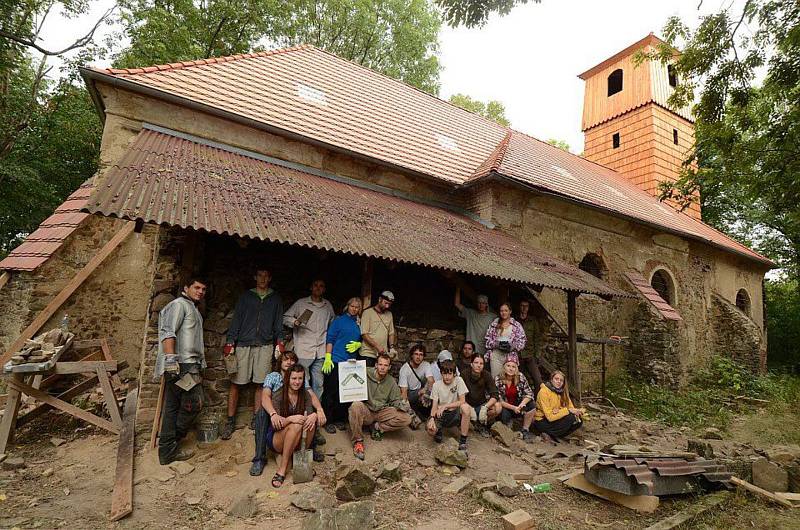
[448, 454]
[457, 486]
[313, 498]
[701, 448]
[506, 485]
[496, 502]
[391, 472]
[353, 482]
[505, 435]
[517, 520]
[769, 476]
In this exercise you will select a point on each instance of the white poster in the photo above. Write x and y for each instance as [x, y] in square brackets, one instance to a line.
[352, 381]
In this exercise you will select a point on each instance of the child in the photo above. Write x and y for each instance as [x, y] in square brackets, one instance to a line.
[449, 407]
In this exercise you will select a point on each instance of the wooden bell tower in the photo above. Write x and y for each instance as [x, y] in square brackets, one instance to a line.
[628, 125]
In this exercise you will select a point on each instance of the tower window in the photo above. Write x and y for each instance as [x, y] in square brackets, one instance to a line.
[615, 140]
[615, 82]
[675, 136]
[663, 285]
[743, 301]
[672, 75]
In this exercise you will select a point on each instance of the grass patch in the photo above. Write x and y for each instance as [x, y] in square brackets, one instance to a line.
[709, 400]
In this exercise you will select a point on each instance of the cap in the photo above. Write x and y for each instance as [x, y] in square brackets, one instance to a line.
[444, 355]
[389, 295]
[482, 298]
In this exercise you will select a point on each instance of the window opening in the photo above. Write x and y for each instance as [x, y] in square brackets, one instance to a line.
[662, 283]
[615, 82]
[615, 140]
[672, 75]
[675, 136]
[593, 264]
[743, 301]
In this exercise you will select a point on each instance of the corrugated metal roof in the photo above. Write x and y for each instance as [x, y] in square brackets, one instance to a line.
[647, 472]
[43, 242]
[175, 181]
[371, 115]
[650, 294]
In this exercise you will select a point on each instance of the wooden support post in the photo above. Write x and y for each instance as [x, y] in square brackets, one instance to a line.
[572, 356]
[107, 356]
[122, 497]
[42, 318]
[8, 423]
[366, 284]
[4, 278]
[157, 418]
[108, 395]
[603, 370]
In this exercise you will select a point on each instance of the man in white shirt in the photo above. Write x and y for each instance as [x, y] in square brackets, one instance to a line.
[449, 407]
[414, 379]
[309, 319]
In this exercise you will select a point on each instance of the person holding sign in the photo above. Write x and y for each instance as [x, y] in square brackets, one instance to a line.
[377, 330]
[341, 344]
[309, 319]
[381, 409]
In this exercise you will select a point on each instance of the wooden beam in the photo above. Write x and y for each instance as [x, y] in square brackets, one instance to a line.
[84, 367]
[69, 408]
[107, 356]
[8, 424]
[122, 497]
[108, 395]
[764, 494]
[77, 280]
[366, 284]
[572, 354]
[157, 418]
[4, 278]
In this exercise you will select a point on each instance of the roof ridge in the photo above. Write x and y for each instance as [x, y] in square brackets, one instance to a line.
[200, 62]
[495, 158]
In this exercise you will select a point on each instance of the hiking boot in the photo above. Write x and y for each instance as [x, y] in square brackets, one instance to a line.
[341, 425]
[228, 428]
[484, 431]
[358, 449]
[319, 439]
[438, 437]
[377, 434]
[318, 456]
[528, 436]
[462, 446]
[330, 428]
[183, 454]
[256, 468]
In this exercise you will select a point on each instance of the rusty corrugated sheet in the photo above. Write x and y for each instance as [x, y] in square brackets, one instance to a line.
[650, 294]
[305, 91]
[174, 181]
[655, 476]
[43, 242]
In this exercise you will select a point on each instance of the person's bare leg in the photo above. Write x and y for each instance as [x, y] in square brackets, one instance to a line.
[233, 399]
[527, 420]
[465, 410]
[310, 436]
[290, 441]
[493, 412]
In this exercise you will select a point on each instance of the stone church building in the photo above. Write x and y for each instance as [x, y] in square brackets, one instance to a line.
[317, 166]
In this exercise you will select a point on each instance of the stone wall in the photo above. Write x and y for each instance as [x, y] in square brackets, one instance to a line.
[735, 335]
[654, 353]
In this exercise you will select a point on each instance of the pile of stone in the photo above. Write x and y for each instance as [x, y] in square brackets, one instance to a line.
[41, 348]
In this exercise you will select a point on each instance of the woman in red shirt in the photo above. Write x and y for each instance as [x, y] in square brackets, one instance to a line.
[516, 397]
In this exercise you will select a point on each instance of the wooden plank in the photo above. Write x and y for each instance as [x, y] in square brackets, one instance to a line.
[48, 381]
[4, 278]
[8, 423]
[108, 395]
[764, 494]
[107, 356]
[86, 344]
[69, 408]
[705, 504]
[67, 395]
[366, 284]
[85, 367]
[157, 418]
[788, 496]
[639, 503]
[77, 280]
[122, 497]
[572, 353]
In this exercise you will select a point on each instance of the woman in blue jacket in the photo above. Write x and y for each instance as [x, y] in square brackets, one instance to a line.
[342, 343]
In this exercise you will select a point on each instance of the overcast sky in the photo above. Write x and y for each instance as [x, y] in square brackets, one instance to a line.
[528, 60]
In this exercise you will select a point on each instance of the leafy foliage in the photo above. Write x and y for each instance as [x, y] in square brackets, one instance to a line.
[748, 136]
[783, 322]
[395, 37]
[494, 110]
[475, 13]
[561, 144]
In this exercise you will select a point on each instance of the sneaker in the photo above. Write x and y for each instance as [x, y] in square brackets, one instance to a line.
[182, 454]
[256, 468]
[319, 456]
[484, 431]
[227, 430]
[377, 434]
[330, 428]
[438, 437]
[358, 449]
[462, 446]
[341, 425]
[319, 439]
[528, 436]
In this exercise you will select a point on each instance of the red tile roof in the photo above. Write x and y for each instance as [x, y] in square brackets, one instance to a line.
[306, 92]
[176, 181]
[43, 242]
[648, 293]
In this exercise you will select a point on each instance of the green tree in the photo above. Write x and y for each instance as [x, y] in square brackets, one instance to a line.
[748, 134]
[561, 144]
[395, 37]
[475, 13]
[783, 321]
[493, 109]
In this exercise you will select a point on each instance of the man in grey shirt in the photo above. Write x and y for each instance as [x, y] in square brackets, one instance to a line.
[478, 320]
[181, 357]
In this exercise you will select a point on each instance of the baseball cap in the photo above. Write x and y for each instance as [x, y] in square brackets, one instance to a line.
[389, 295]
[444, 355]
[483, 298]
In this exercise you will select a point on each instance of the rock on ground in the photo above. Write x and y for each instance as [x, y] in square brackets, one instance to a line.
[16, 462]
[448, 454]
[505, 435]
[701, 447]
[496, 502]
[181, 468]
[457, 485]
[769, 476]
[391, 472]
[353, 482]
[506, 485]
[313, 498]
[711, 433]
[350, 516]
[244, 506]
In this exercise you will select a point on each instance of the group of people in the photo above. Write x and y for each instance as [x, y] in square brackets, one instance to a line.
[301, 396]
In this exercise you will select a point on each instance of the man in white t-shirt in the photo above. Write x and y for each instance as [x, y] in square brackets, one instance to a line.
[449, 407]
[414, 379]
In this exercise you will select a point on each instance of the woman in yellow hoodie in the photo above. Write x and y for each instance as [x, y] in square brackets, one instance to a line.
[555, 416]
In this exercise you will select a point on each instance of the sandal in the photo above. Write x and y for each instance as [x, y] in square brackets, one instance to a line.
[358, 449]
[278, 479]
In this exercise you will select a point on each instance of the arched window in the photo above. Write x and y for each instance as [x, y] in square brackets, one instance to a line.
[743, 301]
[615, 82]
[593, 264]
[663, 285]
[672, 75]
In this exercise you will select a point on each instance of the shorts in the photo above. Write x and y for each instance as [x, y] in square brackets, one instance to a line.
[449, 418]
[252, 364]
[479, 413]
[507, 415]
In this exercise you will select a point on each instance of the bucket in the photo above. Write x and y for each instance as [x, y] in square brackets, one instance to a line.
[208, 430]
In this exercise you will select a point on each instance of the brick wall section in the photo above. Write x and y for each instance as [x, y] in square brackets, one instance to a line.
[735, 335]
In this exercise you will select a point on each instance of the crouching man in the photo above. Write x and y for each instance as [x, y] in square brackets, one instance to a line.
[381, 410]
[181, 357]
[449, 407]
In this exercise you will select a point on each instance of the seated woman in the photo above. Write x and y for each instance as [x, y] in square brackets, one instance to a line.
[293, 414]
[516, 396]
[482, 396]
[556, 416]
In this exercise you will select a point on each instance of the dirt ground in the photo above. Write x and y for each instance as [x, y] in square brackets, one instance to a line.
[70, 486]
